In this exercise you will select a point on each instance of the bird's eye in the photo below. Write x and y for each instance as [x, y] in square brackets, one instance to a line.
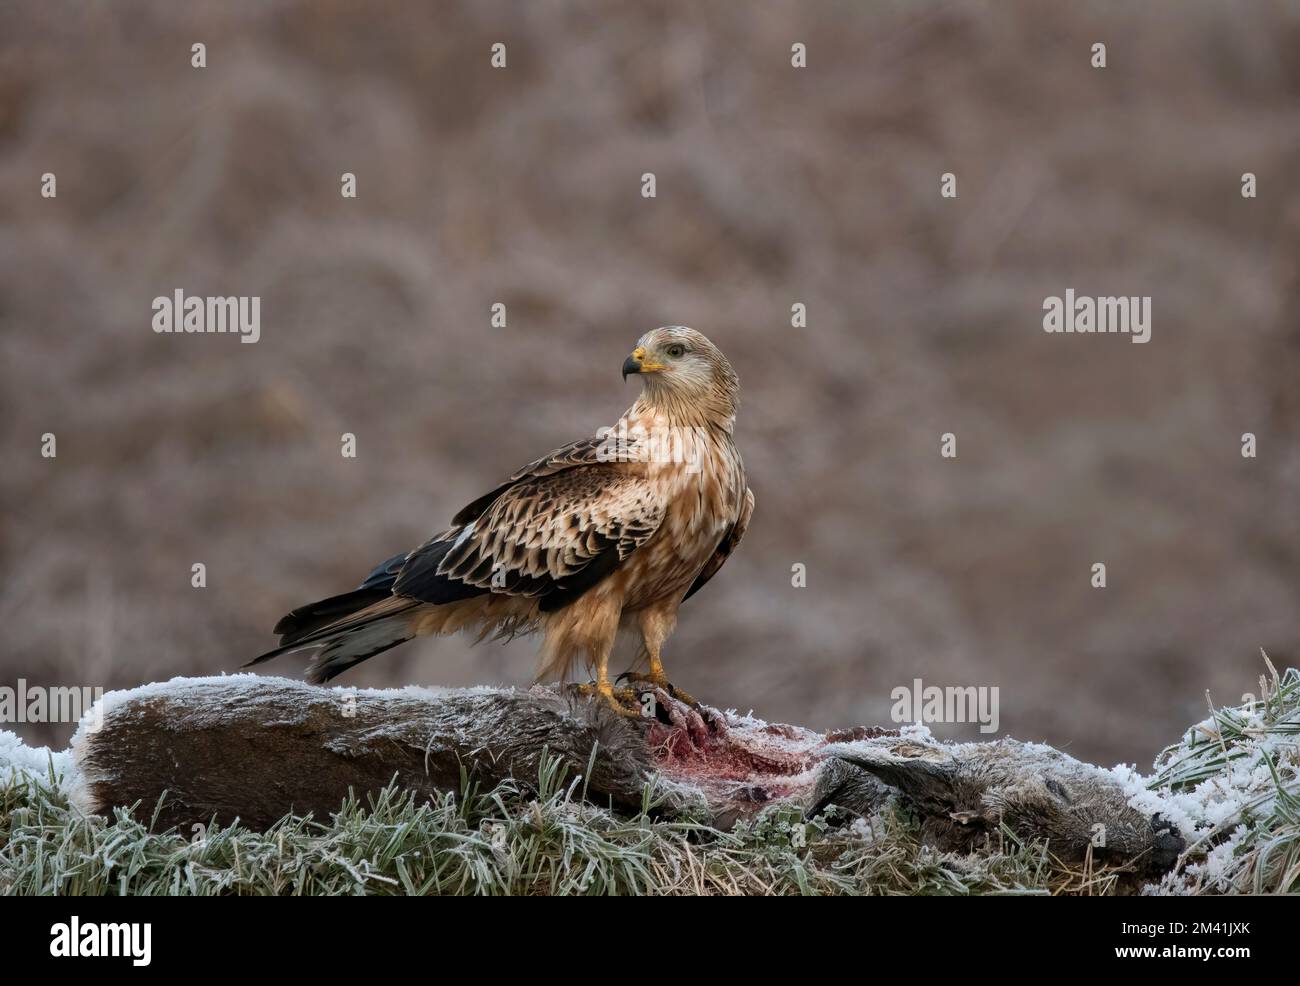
[676, 350]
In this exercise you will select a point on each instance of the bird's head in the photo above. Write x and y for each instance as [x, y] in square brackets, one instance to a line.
[680, 367]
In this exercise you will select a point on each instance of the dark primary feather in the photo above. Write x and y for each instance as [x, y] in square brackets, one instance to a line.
[312, 617]
[565, 591]
[363, 628]
[420, 578]
[355, 646]
[347, 641]
[385, 573]
[307, 619]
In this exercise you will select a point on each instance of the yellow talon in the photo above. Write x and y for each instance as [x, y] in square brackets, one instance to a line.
[659, 680]
[623, 701]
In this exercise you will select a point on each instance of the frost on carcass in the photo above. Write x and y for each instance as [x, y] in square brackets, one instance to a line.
[968, 793]
[243, 691]
[244, 697]
[917, 732]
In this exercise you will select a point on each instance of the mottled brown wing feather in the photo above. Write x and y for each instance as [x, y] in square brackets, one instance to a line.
[551, 534]
[725, 547]
[596, 450]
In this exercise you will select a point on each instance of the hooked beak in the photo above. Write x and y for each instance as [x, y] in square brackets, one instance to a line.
[636, 363]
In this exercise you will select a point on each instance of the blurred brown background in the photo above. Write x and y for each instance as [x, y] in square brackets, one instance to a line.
[775, 185]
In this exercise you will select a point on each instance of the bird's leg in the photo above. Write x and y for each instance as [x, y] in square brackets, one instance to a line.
[656, 625]
[624, 701]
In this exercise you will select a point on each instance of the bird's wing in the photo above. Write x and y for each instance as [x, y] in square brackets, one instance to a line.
[725, 547]
[597, 450]
[566, 522]
[554, 530]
